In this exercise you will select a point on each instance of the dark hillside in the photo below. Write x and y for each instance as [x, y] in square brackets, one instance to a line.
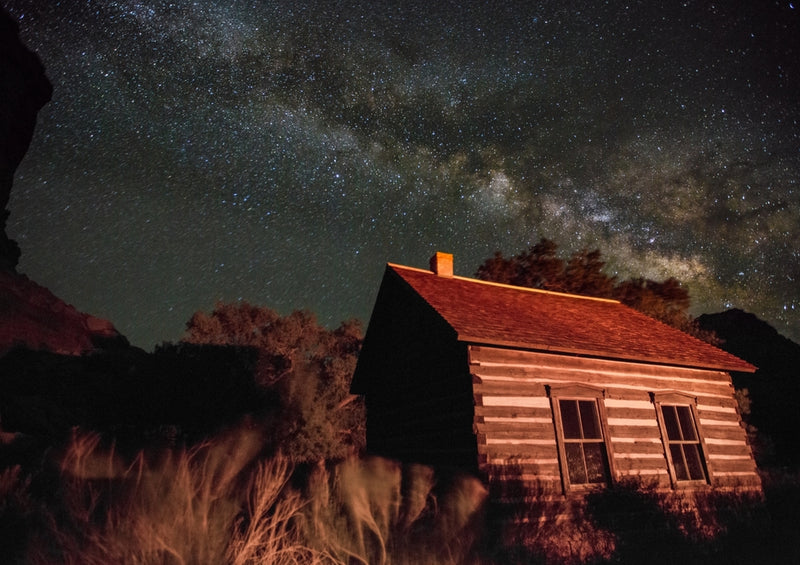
[774, 388]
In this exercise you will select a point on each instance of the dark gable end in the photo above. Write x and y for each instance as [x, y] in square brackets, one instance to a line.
[400, 329]
[414, 375]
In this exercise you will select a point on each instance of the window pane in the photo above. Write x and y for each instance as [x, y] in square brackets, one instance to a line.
[589, 419]
[684, 444]
[584, 453]
[693, 462]
[595, 462]
[575, 464]
[687, 425]
[671, 423]
[569, 419]
[675, 451]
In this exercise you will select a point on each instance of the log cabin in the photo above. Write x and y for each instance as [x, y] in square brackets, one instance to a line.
[562, 392]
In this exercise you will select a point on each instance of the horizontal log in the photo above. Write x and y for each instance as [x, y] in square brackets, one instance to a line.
[736, 449]
[659, 474]
[513, 401]
[738, 481]
[646, 447]
[538, 438]
[656, 478]
[497, 428]
[640, 403]
[732, 465]
[723, 432]
[714, 403]
[521, 421]
[721, 408]
[625, 465]
[547, 457]
[713, 457]
[505, 388]
[547, 468]
[727, 412]
[542, 361]
[712, 441]
[511, 412]
[527, 484]
[499, 375]
[640, 421]
[510, 451]
[731, 421]
[637, 432]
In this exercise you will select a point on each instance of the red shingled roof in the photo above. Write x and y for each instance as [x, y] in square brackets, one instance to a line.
[498, 314]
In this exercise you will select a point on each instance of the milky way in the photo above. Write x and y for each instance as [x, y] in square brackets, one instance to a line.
[263, 151]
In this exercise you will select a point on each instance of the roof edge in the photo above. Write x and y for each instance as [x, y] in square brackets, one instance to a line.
[504, 285]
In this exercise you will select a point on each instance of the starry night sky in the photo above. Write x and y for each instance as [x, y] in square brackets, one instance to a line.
[282, 152]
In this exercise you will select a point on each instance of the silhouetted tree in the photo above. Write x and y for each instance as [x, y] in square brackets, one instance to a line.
[306, 366]
[584, 274]
[541, 267]
[538, 267]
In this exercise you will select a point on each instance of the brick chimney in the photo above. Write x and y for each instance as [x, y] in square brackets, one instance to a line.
[442, 264]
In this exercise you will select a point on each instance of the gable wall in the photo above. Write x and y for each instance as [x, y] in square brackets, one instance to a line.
[516, 433]
[414, 377]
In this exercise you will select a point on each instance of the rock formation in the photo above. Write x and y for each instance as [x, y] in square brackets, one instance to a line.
[30, 315]
[24, 89]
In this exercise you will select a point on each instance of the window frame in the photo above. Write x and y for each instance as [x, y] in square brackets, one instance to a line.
[577, 391]
[676, 398]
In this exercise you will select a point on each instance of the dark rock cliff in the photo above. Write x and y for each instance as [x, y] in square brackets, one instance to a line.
[30, 315]
[24, 89]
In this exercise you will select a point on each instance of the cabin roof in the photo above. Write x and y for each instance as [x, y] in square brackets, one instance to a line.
[490, 313]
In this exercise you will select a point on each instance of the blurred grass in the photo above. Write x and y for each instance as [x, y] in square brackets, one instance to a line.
[223, 502]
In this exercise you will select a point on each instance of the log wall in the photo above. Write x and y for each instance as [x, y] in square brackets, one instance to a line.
[516, 436]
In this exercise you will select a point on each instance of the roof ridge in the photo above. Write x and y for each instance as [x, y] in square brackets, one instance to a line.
[510, 286]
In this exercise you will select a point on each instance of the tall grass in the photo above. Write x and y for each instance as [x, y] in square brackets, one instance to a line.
[223, 502]
[165, 507]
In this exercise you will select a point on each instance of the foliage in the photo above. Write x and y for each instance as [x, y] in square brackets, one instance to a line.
[541, 267]
[304, 366]
[528, 524]
[633, 522]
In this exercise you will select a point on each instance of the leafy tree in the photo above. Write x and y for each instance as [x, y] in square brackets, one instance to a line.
[302, 364]
[583, 274]
[538, 267]
[541, 267]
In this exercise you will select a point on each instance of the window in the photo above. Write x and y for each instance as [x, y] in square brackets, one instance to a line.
[581, 436]
[681, 437]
